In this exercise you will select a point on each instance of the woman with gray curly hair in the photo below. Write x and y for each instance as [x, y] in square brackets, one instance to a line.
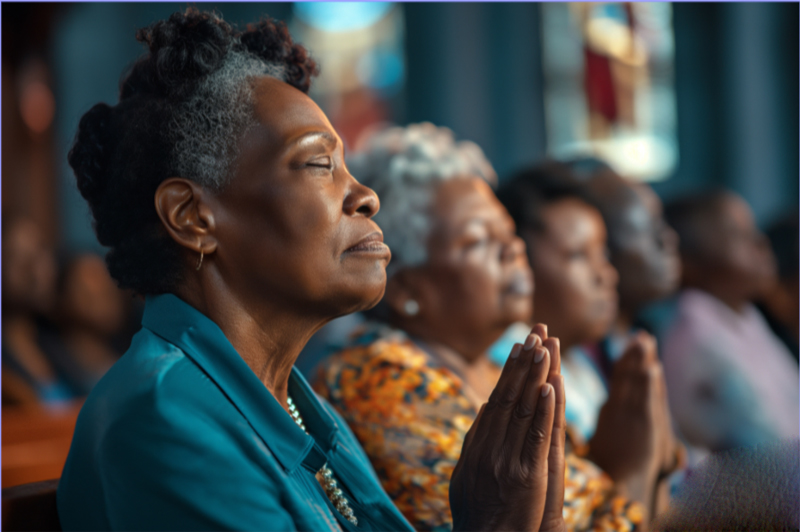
[413, 382]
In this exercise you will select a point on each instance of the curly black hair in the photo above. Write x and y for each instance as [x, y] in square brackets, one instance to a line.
[183, 107]
[532, 189]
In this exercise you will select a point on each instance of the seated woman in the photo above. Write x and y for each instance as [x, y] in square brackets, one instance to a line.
[732, 382]
[31, 375]
[577, 287]
[90, 312]
[221, 191]
[413, 383]
[577, 298]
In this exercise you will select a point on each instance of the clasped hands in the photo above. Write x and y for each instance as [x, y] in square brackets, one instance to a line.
[510, 475]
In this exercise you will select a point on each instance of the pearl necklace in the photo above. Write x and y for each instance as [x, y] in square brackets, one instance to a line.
[334, 493]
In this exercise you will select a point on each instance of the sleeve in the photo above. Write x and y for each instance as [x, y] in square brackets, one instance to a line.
[711, 401]
[591, 504]
[411, 425]
[196, 477]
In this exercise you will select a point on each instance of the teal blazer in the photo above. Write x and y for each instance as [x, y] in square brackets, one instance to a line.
[181, 435]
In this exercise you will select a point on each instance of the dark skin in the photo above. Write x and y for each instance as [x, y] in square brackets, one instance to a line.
[577, 294]
[643, 248]
[577, 298]
[290, 244]
[734, 261]
[476, 281]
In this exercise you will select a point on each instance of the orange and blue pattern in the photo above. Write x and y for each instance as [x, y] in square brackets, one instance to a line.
[411, 415]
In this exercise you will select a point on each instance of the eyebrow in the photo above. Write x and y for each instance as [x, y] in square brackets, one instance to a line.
[314, 134]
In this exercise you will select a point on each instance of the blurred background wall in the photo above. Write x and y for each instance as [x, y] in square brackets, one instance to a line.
[478, 68]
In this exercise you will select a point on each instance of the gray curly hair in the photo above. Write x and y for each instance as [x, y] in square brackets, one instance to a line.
[219, 112]
[404, 166]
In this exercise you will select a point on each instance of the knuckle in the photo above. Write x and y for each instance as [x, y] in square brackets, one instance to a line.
[522, 413]
[537, 435]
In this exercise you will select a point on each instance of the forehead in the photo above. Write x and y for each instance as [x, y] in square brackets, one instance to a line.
[285, 113]
[572, 218]
[460, 200]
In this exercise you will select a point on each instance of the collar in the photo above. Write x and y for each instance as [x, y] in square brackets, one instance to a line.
[206, 345]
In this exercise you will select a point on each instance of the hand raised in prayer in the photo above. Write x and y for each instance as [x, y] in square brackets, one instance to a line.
[510, 475]
[634, 438]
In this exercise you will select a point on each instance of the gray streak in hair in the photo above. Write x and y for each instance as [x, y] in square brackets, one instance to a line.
[208, 126]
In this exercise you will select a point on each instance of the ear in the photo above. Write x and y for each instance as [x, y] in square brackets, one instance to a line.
[184, 209]
[403, 286]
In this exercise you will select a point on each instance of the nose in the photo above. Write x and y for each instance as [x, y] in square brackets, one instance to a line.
[512, 250]
[669, 239]
[361, 200]
[607, 274]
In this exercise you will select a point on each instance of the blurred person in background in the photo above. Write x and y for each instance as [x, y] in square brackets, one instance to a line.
[642, 247]
[781, 305]
[731, 381]
[89, 314]
[414, 380]
[29, 278]
[576, 296]
[576, 291]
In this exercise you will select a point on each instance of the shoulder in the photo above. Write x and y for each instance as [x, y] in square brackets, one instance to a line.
[154, 389]
[370, 366]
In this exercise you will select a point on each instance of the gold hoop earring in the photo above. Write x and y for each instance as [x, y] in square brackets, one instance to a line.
[200, 263]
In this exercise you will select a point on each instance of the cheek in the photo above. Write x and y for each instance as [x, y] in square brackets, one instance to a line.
[469, 289]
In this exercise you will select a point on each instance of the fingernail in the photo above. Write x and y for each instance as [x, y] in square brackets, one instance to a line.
[539, 355]
[530, 341]
[515, 351]
[545, 390]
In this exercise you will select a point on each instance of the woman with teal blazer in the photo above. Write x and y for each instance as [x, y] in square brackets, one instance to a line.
[220, 189]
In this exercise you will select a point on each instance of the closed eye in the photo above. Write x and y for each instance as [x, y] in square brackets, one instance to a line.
[327, 163]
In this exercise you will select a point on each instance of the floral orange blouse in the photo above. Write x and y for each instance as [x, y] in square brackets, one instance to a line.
[411, 414]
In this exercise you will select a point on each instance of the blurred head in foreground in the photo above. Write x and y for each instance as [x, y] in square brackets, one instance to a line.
[565, 236]
[459, 275]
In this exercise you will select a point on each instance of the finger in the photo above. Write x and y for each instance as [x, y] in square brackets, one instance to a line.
[553, 346]
[647, 344]
[556, 458]
[536, 448]
[509, 388]
[525, 410]
[540, 329]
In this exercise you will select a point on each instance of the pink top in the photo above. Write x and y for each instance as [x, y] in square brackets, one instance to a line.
[731, 381]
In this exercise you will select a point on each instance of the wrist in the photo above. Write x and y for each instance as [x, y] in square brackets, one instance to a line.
[678, 462]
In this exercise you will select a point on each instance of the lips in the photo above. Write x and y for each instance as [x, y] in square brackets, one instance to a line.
[372, 243]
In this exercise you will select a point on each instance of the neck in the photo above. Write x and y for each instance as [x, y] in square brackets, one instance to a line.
[623, 324]
[268, 338]
[736, 304]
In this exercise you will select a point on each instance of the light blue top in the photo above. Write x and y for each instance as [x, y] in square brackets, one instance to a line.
[181, 435]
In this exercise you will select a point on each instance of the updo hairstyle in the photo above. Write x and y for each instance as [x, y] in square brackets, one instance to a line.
[183, 108]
